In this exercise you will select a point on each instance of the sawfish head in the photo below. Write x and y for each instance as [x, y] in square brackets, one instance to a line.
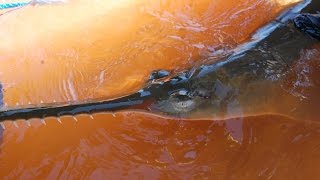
[190, 92]
[242, 83]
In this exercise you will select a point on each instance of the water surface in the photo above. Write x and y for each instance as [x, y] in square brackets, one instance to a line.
[92, 50]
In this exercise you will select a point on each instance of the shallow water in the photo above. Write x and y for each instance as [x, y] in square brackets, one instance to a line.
[71, 57]
[136, 145]
[74, 58]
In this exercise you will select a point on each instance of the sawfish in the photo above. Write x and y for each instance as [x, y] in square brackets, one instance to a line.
[245, 76]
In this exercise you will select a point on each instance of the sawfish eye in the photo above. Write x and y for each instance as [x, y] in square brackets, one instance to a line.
[181, 95]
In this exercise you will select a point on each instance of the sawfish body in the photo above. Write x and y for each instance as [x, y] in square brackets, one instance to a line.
[242, 79]
[248, 82]
[85, 49]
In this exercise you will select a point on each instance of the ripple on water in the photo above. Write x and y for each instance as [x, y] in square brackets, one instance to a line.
[135, 144]
[85, 60]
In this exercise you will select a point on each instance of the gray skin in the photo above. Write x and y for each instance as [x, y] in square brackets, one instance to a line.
[244, 83]
[241, 83]
[252, 80]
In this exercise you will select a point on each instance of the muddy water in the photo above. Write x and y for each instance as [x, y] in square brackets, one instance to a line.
[137, 145]
[82, 48]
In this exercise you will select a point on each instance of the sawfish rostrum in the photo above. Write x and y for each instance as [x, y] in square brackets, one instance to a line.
[242, 79]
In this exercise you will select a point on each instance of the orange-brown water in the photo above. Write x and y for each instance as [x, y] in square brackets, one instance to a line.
[114, 56]
[91, 50]
[135, 145]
